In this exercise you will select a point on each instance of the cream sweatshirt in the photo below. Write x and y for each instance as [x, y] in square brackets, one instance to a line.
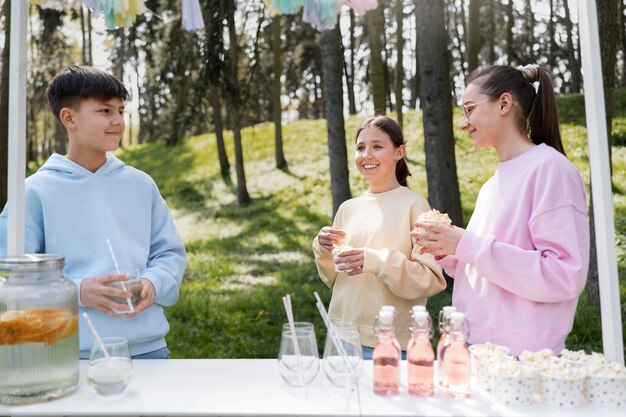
[394, 273]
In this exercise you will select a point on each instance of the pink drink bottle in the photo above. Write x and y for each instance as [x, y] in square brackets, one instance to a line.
[386, 355]
[414, 310]
[444, 342]
[420, 356]
[457, 359]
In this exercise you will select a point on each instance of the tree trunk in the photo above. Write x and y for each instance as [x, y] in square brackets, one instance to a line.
[530, 27]
[333, 107]
[552, 46]
[575, 82]
[377, 69]
[281, 163]
[349, 69]
[443, 186]
[60, 139]
[490, 31]
[89, 43]
[4, 103]
[243, 198]
[593, 281]
[400, 56]
[510, 49]
[473, 35]
[83, 34]
[219, 132]
[607, 20]
[623, 38]
[415, 82]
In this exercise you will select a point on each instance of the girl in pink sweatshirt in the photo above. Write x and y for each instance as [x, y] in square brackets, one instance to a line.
[522, 262]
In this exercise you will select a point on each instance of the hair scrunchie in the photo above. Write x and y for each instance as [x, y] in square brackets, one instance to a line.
[530, 72]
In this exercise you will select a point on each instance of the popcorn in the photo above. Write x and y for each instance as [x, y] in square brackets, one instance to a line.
[607, 370]
[484, 357]
[536, 358]
[574, 356]
[560, 368]
[434, 216]
[513, 368]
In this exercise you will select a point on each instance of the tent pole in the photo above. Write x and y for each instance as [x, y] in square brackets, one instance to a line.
[17, 128]
[601, 182]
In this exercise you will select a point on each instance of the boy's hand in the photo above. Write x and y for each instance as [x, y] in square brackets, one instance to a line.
[95, 293]
[146, 299]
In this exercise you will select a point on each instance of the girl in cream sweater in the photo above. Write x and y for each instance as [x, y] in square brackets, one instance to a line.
[383, 265]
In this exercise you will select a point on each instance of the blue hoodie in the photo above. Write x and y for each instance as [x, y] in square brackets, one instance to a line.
[72, 211]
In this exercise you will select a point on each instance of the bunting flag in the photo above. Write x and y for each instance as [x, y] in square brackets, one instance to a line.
[321, 14]
[58, 5]
[192, 16]
[123, 13]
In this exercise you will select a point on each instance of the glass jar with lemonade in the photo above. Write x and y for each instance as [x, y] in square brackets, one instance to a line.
[38, 329]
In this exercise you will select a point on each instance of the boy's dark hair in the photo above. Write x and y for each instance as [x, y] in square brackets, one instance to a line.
[76, 83]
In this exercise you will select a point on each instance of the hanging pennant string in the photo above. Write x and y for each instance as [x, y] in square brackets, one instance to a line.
[58, 5]
[361, 6]
[284, 6]
[192, 16]
[321, 14]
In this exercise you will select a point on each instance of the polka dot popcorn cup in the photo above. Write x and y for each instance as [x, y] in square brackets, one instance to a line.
[606, 384]
[483, 358]
[514, 384]
[563, 389]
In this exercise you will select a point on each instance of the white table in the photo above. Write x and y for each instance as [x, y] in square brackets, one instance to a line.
[253, 387]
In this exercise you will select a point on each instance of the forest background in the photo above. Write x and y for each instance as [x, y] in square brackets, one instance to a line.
[247, 127]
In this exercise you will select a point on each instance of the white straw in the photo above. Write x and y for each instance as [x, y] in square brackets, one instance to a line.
[333, 334]
[117, 269]
[289, 311]
[96, 336]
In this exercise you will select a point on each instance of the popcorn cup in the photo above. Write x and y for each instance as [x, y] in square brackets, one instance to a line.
[563, 391]
[515, 390]
[606, 390]
[483, 357]
[440, 223]
[336, 251]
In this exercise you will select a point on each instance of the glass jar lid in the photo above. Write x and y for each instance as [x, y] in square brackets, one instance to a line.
[31, 262]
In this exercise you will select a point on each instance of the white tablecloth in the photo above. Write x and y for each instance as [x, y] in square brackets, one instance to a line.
[253, 387]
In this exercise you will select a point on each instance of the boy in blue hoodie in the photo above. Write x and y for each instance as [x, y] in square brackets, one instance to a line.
[75, 204]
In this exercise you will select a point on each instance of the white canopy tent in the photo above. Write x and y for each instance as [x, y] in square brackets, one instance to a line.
[596, 137]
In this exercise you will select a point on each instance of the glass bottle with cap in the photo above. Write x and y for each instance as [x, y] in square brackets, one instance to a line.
[420, 355]
[457, 359]
[38, 329]
[444, 342]
[386, 355]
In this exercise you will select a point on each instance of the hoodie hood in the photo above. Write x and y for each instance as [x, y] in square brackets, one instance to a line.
[62, 165]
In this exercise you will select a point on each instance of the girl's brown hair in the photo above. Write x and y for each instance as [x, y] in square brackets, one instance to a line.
[394, 131]
[538, 116]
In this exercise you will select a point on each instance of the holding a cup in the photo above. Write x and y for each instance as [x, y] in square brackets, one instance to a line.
[133, 285]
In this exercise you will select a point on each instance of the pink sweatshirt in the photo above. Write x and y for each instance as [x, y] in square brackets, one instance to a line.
[519, 269]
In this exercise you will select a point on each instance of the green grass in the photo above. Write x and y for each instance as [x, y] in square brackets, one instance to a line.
[242, 260]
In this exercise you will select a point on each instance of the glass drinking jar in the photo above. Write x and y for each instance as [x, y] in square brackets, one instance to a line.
[38, 329]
